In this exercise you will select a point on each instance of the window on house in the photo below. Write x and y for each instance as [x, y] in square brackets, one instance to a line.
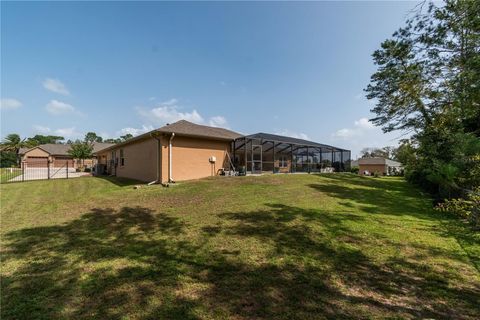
[122, 158]
[283, 162]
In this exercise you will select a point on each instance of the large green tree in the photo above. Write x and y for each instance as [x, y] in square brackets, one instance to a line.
[92, 137]
[81, 150]
[427, 83]
[41, 139]
[121, 139]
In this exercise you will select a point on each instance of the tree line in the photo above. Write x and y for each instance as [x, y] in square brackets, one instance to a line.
[80, 149]
[427, 83]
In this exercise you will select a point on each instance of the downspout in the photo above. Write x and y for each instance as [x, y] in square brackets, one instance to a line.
[170, 178]
[159, 144]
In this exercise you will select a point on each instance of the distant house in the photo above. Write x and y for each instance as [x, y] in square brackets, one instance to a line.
[184, 151]
[54, 155]
[368, 166]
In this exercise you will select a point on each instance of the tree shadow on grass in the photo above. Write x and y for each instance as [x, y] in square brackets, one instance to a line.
[398, 287]
[376, 197]
[134, 262]
[119, 181]
[393, 197]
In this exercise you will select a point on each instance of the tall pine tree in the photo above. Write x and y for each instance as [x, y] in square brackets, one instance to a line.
[427, 82]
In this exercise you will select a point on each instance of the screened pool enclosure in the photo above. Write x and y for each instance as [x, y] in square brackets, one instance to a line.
[263, 152]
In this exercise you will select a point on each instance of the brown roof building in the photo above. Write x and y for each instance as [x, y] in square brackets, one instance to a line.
[382, 166]
[185, 150]
[54, 154]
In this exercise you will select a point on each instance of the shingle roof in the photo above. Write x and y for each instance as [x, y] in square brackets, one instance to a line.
[393, 163]
[290, 140]
[58, 149]
[379, 160]
[187, 128]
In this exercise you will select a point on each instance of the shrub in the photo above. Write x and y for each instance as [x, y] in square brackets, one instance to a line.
[8, 159]
[354, 170]
[467, 208]
[376, 174]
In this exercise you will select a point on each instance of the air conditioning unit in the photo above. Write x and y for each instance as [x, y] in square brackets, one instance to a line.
[212, 159]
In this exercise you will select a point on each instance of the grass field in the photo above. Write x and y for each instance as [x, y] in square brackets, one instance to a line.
[272, 247]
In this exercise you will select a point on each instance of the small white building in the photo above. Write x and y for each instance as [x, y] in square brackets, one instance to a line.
[383, 166]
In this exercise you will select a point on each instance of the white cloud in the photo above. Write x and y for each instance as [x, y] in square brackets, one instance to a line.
[9, 104]
[56, 86]
[167, 114]
[67, 132]
[169, 111]
[56, 107]
[363, 134]
[218, 121]
[171, 102]
[363, 123]
[344, 133]
[360, 127]
[135, 131]
[288, 133]
[41, 129]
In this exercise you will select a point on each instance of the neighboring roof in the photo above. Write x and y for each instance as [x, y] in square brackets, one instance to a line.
[393, 163]
[189, 129]
[58, 149]
[290, 140]
[378, 160]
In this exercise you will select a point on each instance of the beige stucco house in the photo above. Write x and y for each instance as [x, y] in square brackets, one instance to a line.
[185, 151]
[382, 166]
[54, 155]
[175, 152]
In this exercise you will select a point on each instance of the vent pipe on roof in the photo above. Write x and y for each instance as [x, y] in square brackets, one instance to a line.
[170, 178]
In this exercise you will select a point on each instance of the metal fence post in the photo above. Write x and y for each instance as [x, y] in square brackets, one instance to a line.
[48, 169]
[23, 172]
[67, 168]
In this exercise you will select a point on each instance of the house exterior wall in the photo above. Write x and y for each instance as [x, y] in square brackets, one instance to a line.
[381, 168]
[36, 152]
[61, 161]
[286, 169]
[190, 158]
[35, 158]
[140, 160]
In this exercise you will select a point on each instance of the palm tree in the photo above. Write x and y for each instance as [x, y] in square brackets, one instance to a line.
[13, 143]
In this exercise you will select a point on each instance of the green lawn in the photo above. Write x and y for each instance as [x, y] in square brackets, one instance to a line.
[273, 247]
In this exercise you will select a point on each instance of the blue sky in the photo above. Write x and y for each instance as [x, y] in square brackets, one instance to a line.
[288, 68]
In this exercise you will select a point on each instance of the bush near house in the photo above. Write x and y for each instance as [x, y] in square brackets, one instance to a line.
[466, 208]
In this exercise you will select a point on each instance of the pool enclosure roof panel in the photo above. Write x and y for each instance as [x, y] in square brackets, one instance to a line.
[289, 140]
